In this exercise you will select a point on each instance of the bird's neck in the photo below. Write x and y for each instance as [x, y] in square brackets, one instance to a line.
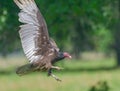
[59, 57]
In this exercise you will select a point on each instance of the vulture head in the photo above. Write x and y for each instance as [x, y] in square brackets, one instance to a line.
[41, 50]
[61, 55]
[67, 55]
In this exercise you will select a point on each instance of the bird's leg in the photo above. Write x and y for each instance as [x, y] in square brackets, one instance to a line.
[55, 67]
[52, 75]
[56, 78]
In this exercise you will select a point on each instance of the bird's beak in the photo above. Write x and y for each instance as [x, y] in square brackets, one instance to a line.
[67, 55]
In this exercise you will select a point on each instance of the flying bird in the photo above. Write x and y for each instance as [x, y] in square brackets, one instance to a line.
[41, 50]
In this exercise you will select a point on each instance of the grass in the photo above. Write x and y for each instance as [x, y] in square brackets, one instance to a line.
[77, 76]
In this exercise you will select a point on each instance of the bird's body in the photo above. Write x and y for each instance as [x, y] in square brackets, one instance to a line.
[43, 65]
[41, 50]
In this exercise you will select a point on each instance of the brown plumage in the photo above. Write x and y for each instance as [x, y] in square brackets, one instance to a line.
[41, 51]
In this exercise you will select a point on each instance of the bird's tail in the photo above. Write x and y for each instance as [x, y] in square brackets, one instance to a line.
[25, 69]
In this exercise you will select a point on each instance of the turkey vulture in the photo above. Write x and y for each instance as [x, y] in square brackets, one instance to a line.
[41, 50]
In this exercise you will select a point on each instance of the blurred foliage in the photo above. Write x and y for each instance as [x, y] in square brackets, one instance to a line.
[76, 26]
[100, 86]
[103, 39]
[8, 27]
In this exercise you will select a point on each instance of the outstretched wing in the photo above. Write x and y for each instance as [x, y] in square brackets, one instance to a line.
[33, 33]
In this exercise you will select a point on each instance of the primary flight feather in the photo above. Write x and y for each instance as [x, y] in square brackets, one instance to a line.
[41, 50]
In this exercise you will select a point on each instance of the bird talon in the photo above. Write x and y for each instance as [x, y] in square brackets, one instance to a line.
[58, 79]
[55, 77]
[58, 68]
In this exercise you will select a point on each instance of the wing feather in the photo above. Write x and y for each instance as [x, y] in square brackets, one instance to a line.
[54, 45]
[33, 33]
